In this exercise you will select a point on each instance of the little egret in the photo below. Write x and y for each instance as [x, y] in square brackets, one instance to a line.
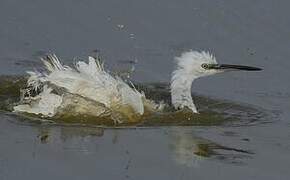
[46, 92]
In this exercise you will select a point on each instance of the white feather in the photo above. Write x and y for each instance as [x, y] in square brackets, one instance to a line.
[90, 81]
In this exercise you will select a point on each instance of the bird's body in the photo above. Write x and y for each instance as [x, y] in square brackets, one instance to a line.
[89, 89]
[89, 81]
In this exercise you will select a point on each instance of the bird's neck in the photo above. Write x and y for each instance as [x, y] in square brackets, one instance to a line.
[181, 82]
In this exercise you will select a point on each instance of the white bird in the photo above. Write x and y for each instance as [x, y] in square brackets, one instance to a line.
[111, 94]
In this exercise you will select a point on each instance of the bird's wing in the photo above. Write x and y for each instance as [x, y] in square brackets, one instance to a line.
[92, 81]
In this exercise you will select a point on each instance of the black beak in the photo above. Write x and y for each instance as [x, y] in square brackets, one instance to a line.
[234, 67]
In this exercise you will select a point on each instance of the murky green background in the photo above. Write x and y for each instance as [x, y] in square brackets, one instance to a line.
[152, 32]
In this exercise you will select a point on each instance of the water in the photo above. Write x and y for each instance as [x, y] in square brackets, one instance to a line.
[212, 112]
[245, 32]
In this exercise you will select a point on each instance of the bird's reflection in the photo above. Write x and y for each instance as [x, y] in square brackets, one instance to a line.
[190, 149]
[186, 147]
[67, 133]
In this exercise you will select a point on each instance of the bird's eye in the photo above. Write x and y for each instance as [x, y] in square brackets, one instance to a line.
[205, 66]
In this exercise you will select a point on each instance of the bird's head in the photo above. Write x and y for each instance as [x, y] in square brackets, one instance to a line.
[199, 64]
